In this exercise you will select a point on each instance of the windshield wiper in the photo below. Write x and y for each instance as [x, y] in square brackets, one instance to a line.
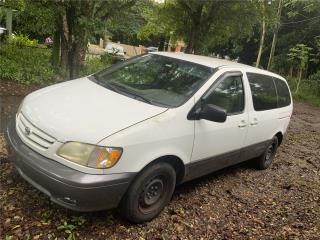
[122, 89]
[113, 86]
[103, 83]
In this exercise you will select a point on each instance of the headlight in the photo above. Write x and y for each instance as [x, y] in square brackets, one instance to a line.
[90, 155]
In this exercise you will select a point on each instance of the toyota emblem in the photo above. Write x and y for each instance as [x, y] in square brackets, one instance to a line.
[27, 131]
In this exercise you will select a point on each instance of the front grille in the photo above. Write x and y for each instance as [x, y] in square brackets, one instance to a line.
[32, 134]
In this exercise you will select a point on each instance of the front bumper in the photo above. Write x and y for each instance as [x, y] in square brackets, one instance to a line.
[65, 186]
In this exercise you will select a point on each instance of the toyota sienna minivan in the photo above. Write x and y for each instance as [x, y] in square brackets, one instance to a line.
[127, 135]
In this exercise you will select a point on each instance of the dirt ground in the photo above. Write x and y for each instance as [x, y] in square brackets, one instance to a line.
[10, 88]
[235, 203]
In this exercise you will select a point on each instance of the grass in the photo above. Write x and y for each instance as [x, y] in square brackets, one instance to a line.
[309, 91]
[308, 98]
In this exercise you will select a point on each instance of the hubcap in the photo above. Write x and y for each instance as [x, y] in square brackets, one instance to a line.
[151, 194]
[270, 153]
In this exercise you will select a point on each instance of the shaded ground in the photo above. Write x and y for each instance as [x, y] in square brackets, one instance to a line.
[10, 88]
[236, 203]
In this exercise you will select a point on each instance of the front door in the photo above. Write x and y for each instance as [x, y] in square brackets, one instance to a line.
[217, 145]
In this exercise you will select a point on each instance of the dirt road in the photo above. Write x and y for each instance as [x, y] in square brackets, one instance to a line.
[282, 202]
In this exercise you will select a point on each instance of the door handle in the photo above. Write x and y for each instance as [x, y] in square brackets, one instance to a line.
[254, 122]
[242, 124]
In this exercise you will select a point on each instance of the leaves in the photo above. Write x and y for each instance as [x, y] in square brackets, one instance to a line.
[25, 64]
[68, 229]
[36, 17]
[203, 24]
[300, 54]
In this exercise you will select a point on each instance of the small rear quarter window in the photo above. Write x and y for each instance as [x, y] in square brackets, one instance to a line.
[284, 98]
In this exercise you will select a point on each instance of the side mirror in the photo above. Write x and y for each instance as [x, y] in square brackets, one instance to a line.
[213, 113]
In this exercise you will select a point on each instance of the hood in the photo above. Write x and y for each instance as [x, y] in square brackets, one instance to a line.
[81, 110]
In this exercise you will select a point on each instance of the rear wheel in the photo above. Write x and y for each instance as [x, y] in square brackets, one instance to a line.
[149, 193]
[265, 160]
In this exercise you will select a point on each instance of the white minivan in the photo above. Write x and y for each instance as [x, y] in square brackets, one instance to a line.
[126, 136]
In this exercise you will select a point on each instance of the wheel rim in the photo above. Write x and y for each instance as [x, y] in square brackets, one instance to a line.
[270, 153]
[152, 194]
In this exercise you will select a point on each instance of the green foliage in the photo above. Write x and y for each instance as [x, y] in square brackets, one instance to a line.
[155, 27]
[109, 59]
[69, 228]
[36, 18]
[266, 10]
[14, 4]
[110, 219]
[96, 64]
[204, 24]
[92, 65]
[299, 54]
[78, 220]
[127, 26]
[315, 57]
[315, 77]
[21, 40]
[299, 22]
[46, 215]
[149, 30]
[309, 90]
[27, 65]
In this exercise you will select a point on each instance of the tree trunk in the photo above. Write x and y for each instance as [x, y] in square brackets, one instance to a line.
[275, 36]
[263, 33]
[299, 80]
[193, 46]
[77, 58]
[56, 48]
[70, 19]
[168, 46]
[290, 71]
[162, 43]
[63, 56]
[76, 42]
[60, 45]
[55, 58]
[192, 38]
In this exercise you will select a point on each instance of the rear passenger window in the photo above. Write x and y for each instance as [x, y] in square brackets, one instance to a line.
[228, 94]
[283, 93]
[263, 91]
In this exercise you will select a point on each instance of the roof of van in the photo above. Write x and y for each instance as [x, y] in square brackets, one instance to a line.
[214, 62]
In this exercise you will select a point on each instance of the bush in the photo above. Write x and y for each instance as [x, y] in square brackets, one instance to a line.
[20, 40]
[95, 64]
[309, 90]
[92, 65]
[315, 77]
[25, 64]
[111, 59]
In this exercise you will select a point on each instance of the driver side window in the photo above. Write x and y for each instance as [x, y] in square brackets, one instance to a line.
[228, 94]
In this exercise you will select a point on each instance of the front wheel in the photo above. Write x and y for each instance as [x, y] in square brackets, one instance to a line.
[265, 160]
[149, 193]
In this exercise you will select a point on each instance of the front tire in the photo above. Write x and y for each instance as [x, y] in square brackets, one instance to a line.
[265, 160]
[149, 193]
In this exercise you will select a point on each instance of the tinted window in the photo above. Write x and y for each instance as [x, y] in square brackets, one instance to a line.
[263, 91]
[158, 79]
[228, 94]
[283, 93]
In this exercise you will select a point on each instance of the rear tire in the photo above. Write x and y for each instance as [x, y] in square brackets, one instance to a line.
[265, 160]
[149, 193]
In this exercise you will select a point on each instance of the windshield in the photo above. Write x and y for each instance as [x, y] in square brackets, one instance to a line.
[155, 79]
